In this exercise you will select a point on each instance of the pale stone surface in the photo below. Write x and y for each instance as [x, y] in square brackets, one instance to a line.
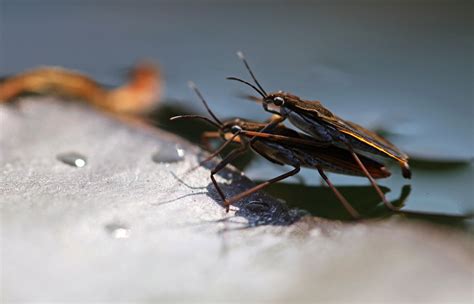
[126, 228]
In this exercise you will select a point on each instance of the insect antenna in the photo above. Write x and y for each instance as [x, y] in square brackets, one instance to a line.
[242, 57]
[193, 87]
[264, 95]
[212, 122]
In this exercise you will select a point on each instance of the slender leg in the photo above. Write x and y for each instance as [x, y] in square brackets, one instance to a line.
[274, 122]
[341, 198]
[262, 185]
[371, 179]
[230, 157]
[399, 203]
[219, 150]
[210, 135]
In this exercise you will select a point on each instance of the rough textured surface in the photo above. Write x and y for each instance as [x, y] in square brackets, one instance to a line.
[124, 227]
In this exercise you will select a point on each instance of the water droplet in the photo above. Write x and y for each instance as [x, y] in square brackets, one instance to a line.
[168, 154]
[118, 231]
[179, 151]
[73, 159]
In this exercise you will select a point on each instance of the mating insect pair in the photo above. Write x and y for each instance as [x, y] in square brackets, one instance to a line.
[329, 143]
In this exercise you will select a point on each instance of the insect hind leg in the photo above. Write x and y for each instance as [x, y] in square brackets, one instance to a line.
[371, 179]
[338, 194]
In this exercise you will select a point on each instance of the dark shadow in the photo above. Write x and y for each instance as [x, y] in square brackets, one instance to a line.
[432, 165]
[258, 208]
[177, 198]
[320, 200]
[457, 221]
[381, 211]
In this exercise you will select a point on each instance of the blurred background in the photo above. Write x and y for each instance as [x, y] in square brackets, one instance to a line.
[404, 68]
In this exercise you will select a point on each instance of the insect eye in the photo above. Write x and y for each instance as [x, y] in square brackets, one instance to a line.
[278, 101]
[235, 129]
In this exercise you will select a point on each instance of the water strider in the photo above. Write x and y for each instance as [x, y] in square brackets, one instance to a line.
[322, 125]
[283, 146]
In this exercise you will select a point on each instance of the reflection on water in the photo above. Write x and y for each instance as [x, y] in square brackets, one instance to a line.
[321, 201]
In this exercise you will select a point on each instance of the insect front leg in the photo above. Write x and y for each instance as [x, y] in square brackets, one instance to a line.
[229, 158]
[263, 185]
[221, 148]
[212, 135]
[274, 121]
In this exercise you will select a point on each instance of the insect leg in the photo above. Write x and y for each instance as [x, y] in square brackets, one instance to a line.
[263, 185]
[219, 150]
[210, 135]
[274, 122]
[371, 179]
[230, 157]
[338, 194]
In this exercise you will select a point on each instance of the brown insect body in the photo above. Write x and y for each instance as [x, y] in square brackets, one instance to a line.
[313, 118]
[318, 122]
[284, 146]
[285, 152]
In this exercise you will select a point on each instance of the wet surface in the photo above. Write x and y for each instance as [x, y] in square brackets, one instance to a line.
[123, 217]
[118, 230]
[170, 153]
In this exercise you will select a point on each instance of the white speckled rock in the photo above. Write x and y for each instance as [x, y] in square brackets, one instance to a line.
[124, 228]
